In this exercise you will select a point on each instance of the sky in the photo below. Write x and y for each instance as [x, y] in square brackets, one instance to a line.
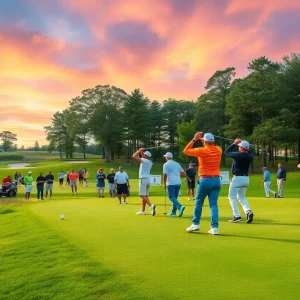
[52, 50]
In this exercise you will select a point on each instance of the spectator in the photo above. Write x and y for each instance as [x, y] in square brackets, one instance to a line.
[80, 174]
[100, 178]
[111, 183]
[28, 185]
[73, 181]
[40, 181]
[190, 179]
[86, 177]
[49, 178]
[281, 179]
[122, 184]
[61, 176]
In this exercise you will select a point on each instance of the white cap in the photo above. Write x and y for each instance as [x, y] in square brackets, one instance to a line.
[169, 155]
[208, 137]
[29, 172]
[148, 153]
[244, 144]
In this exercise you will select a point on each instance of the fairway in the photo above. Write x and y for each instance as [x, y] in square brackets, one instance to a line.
[104, 250]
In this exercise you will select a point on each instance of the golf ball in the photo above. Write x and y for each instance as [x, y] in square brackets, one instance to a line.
[62, 217]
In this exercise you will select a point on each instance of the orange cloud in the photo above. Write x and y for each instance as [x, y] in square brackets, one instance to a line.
[168, 49]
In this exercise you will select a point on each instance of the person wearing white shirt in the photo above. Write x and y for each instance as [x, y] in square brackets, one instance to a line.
[144, 179]
[172, 172]
[122, 185]
[61, 177]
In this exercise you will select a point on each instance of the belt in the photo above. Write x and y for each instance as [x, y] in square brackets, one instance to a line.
[241, 175]
[209, 176]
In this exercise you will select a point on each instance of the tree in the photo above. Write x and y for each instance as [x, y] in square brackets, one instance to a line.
[60, 133]
[101, 108]
[186, 132]
[210, 108]
[36, 146]
[8, 138]
[136, 120]
[176, 112]
[290, 69]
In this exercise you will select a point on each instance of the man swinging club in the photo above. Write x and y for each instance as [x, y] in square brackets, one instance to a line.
[144, 178]
[242, 159]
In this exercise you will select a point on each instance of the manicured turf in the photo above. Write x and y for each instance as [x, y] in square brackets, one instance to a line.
[103, 250]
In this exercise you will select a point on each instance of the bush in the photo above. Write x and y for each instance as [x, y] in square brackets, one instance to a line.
[5, 157]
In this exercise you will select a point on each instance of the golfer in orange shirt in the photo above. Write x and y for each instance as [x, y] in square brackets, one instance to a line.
[209, 184]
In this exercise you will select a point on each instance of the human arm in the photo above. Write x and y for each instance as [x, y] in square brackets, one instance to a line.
[136, 155]
[189, 150]
[231, 151]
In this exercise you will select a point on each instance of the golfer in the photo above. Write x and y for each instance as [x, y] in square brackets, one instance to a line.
[49, 178]
[281, 179]
[242, 158]
[73, 181]
[28, 185]
[172, 171]
[267, 182]
[122, 184]
[144, 179]
[209, 184]
[190, 179]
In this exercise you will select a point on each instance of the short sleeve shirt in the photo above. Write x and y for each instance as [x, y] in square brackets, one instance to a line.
[49, 178]
[191, 173]
[28, 180]
[172, 169]
[267, 176]
[73, 176]
[121, 177]
[111, 178]
[145, 168]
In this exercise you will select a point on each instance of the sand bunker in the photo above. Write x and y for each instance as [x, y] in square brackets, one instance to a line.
[19, 166]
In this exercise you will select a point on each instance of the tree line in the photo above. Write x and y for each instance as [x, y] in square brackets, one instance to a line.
[263, 107]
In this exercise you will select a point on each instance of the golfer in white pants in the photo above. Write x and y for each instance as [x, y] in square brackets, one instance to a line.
[267, 182]
[240, 181]
[281, 178]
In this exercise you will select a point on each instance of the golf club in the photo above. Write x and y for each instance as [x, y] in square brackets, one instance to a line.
[224, 138]
[165, 202]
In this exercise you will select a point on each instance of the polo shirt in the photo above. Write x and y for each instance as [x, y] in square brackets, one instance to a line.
[73, 176]
[145, 168]
[172, 169]
[28, 180]
[121, 177]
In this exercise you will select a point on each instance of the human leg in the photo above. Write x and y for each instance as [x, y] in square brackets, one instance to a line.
[201, 193]
[213, 196]
[173, 191]
[266, 187]
[232, 195]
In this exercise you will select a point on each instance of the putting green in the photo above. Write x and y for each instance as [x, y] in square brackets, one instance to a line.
[158, 259]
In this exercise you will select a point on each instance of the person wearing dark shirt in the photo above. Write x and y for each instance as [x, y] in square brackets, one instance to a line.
[100, 177]
[190, 178]
[40, 181]
[111, 183]
[242, 158]
[49, 184]
[281, 179]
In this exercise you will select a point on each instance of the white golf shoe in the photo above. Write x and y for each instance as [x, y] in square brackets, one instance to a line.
[141, 212]
[193, 228]
[213, 231]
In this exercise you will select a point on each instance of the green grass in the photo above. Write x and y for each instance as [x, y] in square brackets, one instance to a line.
[103, 250]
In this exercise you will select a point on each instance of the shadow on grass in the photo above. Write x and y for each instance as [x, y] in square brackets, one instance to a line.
[261, 238]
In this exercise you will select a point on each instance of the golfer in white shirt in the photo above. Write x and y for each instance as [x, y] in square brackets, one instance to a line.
[144, 178]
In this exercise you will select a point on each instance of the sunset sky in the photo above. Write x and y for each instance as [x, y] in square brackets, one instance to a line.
[50, 50]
